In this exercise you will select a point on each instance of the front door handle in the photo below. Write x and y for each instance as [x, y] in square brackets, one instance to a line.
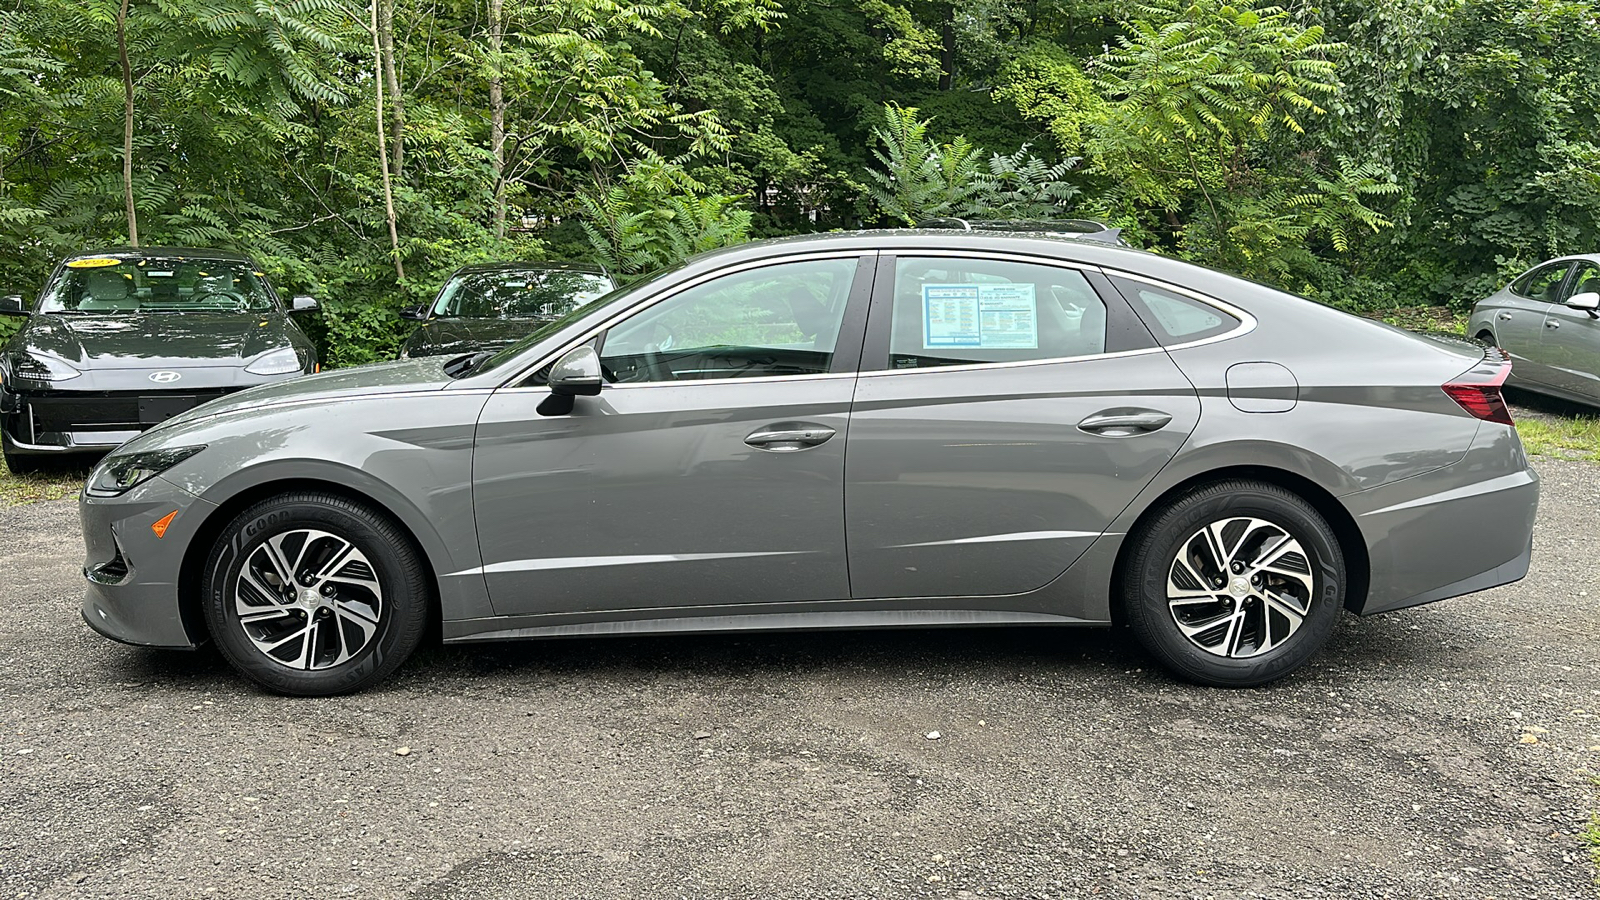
[1124, 423]
[786, 437]
[1552, 323]
[1504, 317]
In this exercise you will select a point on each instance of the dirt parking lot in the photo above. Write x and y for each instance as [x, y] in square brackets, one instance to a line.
[1448, 751]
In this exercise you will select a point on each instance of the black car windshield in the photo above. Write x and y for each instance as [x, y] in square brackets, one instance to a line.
[538, 334]
[532, 293]
[149, 284]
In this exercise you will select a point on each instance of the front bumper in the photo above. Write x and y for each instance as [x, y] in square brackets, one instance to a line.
[1464, 528]
[133, 576]
[45, 422]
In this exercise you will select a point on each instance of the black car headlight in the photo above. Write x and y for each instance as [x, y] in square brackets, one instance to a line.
[26, 367]
[282, 361]
[117, 474]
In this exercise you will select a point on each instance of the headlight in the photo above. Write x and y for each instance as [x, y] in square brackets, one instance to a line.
[278, 362]
[27, 367]
[117, 474]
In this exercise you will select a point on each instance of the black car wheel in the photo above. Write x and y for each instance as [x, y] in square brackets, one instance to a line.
[1235, 584]
[20, 464]
[313, 594]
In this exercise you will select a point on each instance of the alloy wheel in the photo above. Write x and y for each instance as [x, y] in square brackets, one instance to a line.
[308, 599]
[1240, 587]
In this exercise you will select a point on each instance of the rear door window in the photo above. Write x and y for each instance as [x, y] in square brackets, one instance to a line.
[954, 311]
[1542, 284]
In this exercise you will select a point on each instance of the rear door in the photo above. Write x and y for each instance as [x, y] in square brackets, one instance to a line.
[1008, 410]
[1520, 326]
[1569, 345]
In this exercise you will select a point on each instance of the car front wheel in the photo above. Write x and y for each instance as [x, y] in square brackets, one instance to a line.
[313, 594]
[1235, 584]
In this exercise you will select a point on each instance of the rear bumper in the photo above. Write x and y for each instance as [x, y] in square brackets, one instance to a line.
[132, 576]
[1466, 527]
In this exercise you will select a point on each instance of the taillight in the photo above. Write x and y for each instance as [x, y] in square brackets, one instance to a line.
[1478, 393]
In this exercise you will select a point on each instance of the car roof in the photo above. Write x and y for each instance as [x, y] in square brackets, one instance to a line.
[889, 240]
[186, 252]
[532, 266]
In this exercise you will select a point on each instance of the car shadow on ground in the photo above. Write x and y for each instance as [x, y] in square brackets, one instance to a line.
[1079, 654]
[1545, 406]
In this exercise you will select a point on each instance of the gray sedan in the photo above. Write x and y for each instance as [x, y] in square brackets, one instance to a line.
[1549, 321]
[891, 429]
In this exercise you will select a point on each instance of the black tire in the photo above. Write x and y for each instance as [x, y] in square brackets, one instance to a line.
[1154, 617]
[20, 464]
[399, 605]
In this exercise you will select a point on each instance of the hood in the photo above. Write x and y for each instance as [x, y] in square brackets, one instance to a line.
[426, 374]
[453, 337]
[154, 340]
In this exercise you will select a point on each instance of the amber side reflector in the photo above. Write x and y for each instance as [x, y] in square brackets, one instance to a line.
[162, 524]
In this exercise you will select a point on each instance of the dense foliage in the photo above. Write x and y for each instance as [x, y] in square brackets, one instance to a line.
[1367, 153]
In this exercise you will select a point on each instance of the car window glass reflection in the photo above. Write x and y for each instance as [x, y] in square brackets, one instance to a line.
[1585, 280]
[951, 312]
[519, 295]
[771, 321]
[1542, 284]
[157, 285]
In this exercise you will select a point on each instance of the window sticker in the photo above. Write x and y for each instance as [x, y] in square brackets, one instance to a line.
[92, 263]
[1002, 316]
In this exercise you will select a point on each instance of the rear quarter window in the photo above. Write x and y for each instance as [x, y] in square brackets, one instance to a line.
[1173, 317]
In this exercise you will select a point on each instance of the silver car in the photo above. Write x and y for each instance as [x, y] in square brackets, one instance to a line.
[893, 429]
[1548, 319]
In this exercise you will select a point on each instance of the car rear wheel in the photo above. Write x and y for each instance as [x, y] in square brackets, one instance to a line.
[313, 594]
[1235, 584]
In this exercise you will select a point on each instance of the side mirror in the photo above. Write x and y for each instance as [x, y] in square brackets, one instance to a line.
[576, 374]
[13, 306]
[303, 303]
[1588, 301]
[414, 313]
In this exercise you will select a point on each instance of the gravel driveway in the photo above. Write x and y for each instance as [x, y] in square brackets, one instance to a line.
[1447, 751]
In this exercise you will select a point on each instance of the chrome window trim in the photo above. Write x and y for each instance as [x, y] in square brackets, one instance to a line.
[1247, 322]
[508, 384]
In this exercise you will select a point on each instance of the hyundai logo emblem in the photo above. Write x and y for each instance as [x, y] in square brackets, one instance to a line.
[164, 377]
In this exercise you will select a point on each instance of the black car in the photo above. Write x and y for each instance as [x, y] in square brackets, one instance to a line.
[490, 305]
[120, 340]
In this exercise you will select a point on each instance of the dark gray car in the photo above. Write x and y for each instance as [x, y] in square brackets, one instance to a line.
[120, 340]
[1548, 319]
[912, 428]
[490, 305]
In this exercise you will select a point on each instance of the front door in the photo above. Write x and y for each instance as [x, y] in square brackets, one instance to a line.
[709, 469]
[1569, 348]
[1004, 428]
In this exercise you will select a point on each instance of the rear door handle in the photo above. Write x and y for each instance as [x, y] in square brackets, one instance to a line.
[1124, 423]
[786, 437]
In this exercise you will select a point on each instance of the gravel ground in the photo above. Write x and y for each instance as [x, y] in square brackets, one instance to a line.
[1448, 751]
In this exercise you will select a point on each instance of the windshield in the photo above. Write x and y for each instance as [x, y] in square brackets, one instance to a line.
[538, 334]
[532, 293]
[145, 284]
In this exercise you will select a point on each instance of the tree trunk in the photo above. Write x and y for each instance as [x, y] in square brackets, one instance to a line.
[383, 150]
[127, 124]
[391, 74]
[947, 49]
[497, 114]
